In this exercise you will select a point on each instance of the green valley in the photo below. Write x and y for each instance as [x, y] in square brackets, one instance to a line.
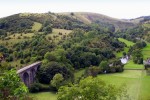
[79, 56]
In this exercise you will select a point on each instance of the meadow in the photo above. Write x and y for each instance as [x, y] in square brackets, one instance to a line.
[136, 82]
[44, 96]
[128, 43]
[146, 51]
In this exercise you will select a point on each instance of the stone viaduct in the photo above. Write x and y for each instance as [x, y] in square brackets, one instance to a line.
[28, 73]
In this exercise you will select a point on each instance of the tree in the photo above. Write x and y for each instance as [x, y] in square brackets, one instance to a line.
[49, 56]
[47, 29]
[124, 54]
[48, 71]
[92, 89]
[104, 65]
[15, 54]
[11, 87]
[21, 61]
[57, 80]
[4, 66]
[94, 71]
[72, 14]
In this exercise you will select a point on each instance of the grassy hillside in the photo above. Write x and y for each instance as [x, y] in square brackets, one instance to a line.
[33, 21]
[128, 43]
[146, 51]
[102, 20]
[36, 26]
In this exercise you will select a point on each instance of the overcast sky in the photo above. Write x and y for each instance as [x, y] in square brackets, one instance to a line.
[114, 8]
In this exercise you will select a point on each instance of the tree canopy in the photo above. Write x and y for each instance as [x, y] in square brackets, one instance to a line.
[11, 87]
[92, 89]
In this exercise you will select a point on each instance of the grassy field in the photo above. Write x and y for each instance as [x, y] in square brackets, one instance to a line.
[128, 43]
[146, 51]
[132, 65]
[56, 34]
[18, 37]
[44, 96]
[37, 26]
[145, 88]
[11, 42]
[119, 54]
[146, 25]
[137, 83]
[21, 35]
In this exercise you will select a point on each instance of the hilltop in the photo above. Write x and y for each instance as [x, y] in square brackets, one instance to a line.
[70, 20]
[102, 20]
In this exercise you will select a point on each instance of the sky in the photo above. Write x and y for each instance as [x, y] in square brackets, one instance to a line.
[123, 9]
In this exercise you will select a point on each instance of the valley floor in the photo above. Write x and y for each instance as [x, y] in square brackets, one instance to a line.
[134, 77]
[44, 96]
[136, 81]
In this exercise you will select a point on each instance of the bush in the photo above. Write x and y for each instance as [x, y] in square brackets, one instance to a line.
[93, 71]
[21, 61]
[112, 69]
[27, 60]
[37, 87]
[147, 66]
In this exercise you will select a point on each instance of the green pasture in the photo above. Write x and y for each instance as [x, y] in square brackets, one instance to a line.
[36, 26]
[56, 36]
[146, 51]
[146, 25]
[119, 54]
[136, 82]
[44, 96]
[131, 65]
[128, 43]
[11, 42]
[22, 36]
[145, 88]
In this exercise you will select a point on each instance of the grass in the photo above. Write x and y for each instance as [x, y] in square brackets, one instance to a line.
[128, 43]
[21, 36]
[56, 33]
[137, 83]
[146, 51]
[132, 65]
[146, 25]
[119, 54]
[61, 30]
[145, 88]
[36, 26]
[44, 96]
[11, 42]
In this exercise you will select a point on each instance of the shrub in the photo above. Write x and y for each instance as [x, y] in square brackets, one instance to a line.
[21, 61]
[37, 87]
[93, 71]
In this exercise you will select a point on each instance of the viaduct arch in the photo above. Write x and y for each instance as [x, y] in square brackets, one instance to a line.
[28, 73]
